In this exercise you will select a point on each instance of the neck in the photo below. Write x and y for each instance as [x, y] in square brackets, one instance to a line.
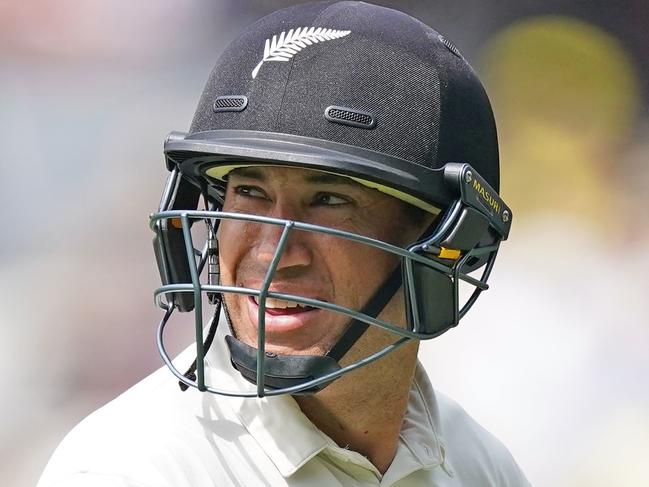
[364, 410]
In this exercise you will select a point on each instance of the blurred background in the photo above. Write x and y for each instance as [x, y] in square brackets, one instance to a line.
[554, 360]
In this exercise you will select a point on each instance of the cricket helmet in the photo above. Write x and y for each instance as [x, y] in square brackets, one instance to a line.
[360, 91]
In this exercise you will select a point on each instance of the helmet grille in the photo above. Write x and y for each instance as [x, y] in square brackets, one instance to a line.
[349, 116]
[230, 103]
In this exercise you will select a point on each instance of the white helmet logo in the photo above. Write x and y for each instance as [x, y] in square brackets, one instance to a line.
[287, 45]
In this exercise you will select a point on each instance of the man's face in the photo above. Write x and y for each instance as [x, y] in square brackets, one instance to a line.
[313, 265]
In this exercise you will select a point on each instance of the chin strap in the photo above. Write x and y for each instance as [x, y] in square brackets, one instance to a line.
[283, 371]
[373, 308]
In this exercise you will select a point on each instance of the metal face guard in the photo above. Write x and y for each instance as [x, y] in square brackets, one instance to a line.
[426, 273]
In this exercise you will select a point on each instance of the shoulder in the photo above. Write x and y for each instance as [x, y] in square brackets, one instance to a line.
[472, 452]
[149, 436]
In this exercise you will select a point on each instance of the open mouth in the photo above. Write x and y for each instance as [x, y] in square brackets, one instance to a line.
[277, 307]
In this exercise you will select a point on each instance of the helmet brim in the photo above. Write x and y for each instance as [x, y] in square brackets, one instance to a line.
[214, 153]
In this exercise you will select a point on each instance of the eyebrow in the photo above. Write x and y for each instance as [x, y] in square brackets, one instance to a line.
[316, 177]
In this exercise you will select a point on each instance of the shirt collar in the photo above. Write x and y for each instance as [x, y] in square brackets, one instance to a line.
[419, 442]
[276, 423]
[290, 439]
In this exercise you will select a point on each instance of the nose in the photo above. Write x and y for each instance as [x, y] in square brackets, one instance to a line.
[297, 251]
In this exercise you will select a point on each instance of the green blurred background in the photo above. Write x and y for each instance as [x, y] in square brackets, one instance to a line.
[554, 360]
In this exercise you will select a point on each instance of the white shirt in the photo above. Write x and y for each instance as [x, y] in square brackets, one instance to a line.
[156, 435]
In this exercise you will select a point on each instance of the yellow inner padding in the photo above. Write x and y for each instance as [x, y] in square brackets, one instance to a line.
[445, 253]
[220, 172]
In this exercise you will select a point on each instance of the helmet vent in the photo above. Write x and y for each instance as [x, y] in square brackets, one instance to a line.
[230, 103]
[349, 116]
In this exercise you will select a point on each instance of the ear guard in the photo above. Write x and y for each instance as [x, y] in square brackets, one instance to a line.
[169, 241]
[467, 237]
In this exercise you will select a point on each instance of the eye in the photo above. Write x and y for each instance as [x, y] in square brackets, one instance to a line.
[250, 191]
[330, 199]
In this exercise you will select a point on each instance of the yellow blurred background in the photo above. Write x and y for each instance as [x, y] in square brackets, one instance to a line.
[553, 360]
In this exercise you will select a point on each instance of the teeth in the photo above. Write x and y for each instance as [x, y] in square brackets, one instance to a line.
[278, 303]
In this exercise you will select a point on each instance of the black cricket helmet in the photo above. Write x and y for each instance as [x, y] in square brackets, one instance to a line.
[356, 90]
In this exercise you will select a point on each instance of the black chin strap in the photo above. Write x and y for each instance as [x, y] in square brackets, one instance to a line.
[290, 370]
[372, 308]
[286, 371]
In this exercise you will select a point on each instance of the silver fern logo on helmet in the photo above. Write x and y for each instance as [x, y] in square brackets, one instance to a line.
[287, 45]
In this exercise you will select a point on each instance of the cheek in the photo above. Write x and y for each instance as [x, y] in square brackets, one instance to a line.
[357, 270]
[234, 238]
